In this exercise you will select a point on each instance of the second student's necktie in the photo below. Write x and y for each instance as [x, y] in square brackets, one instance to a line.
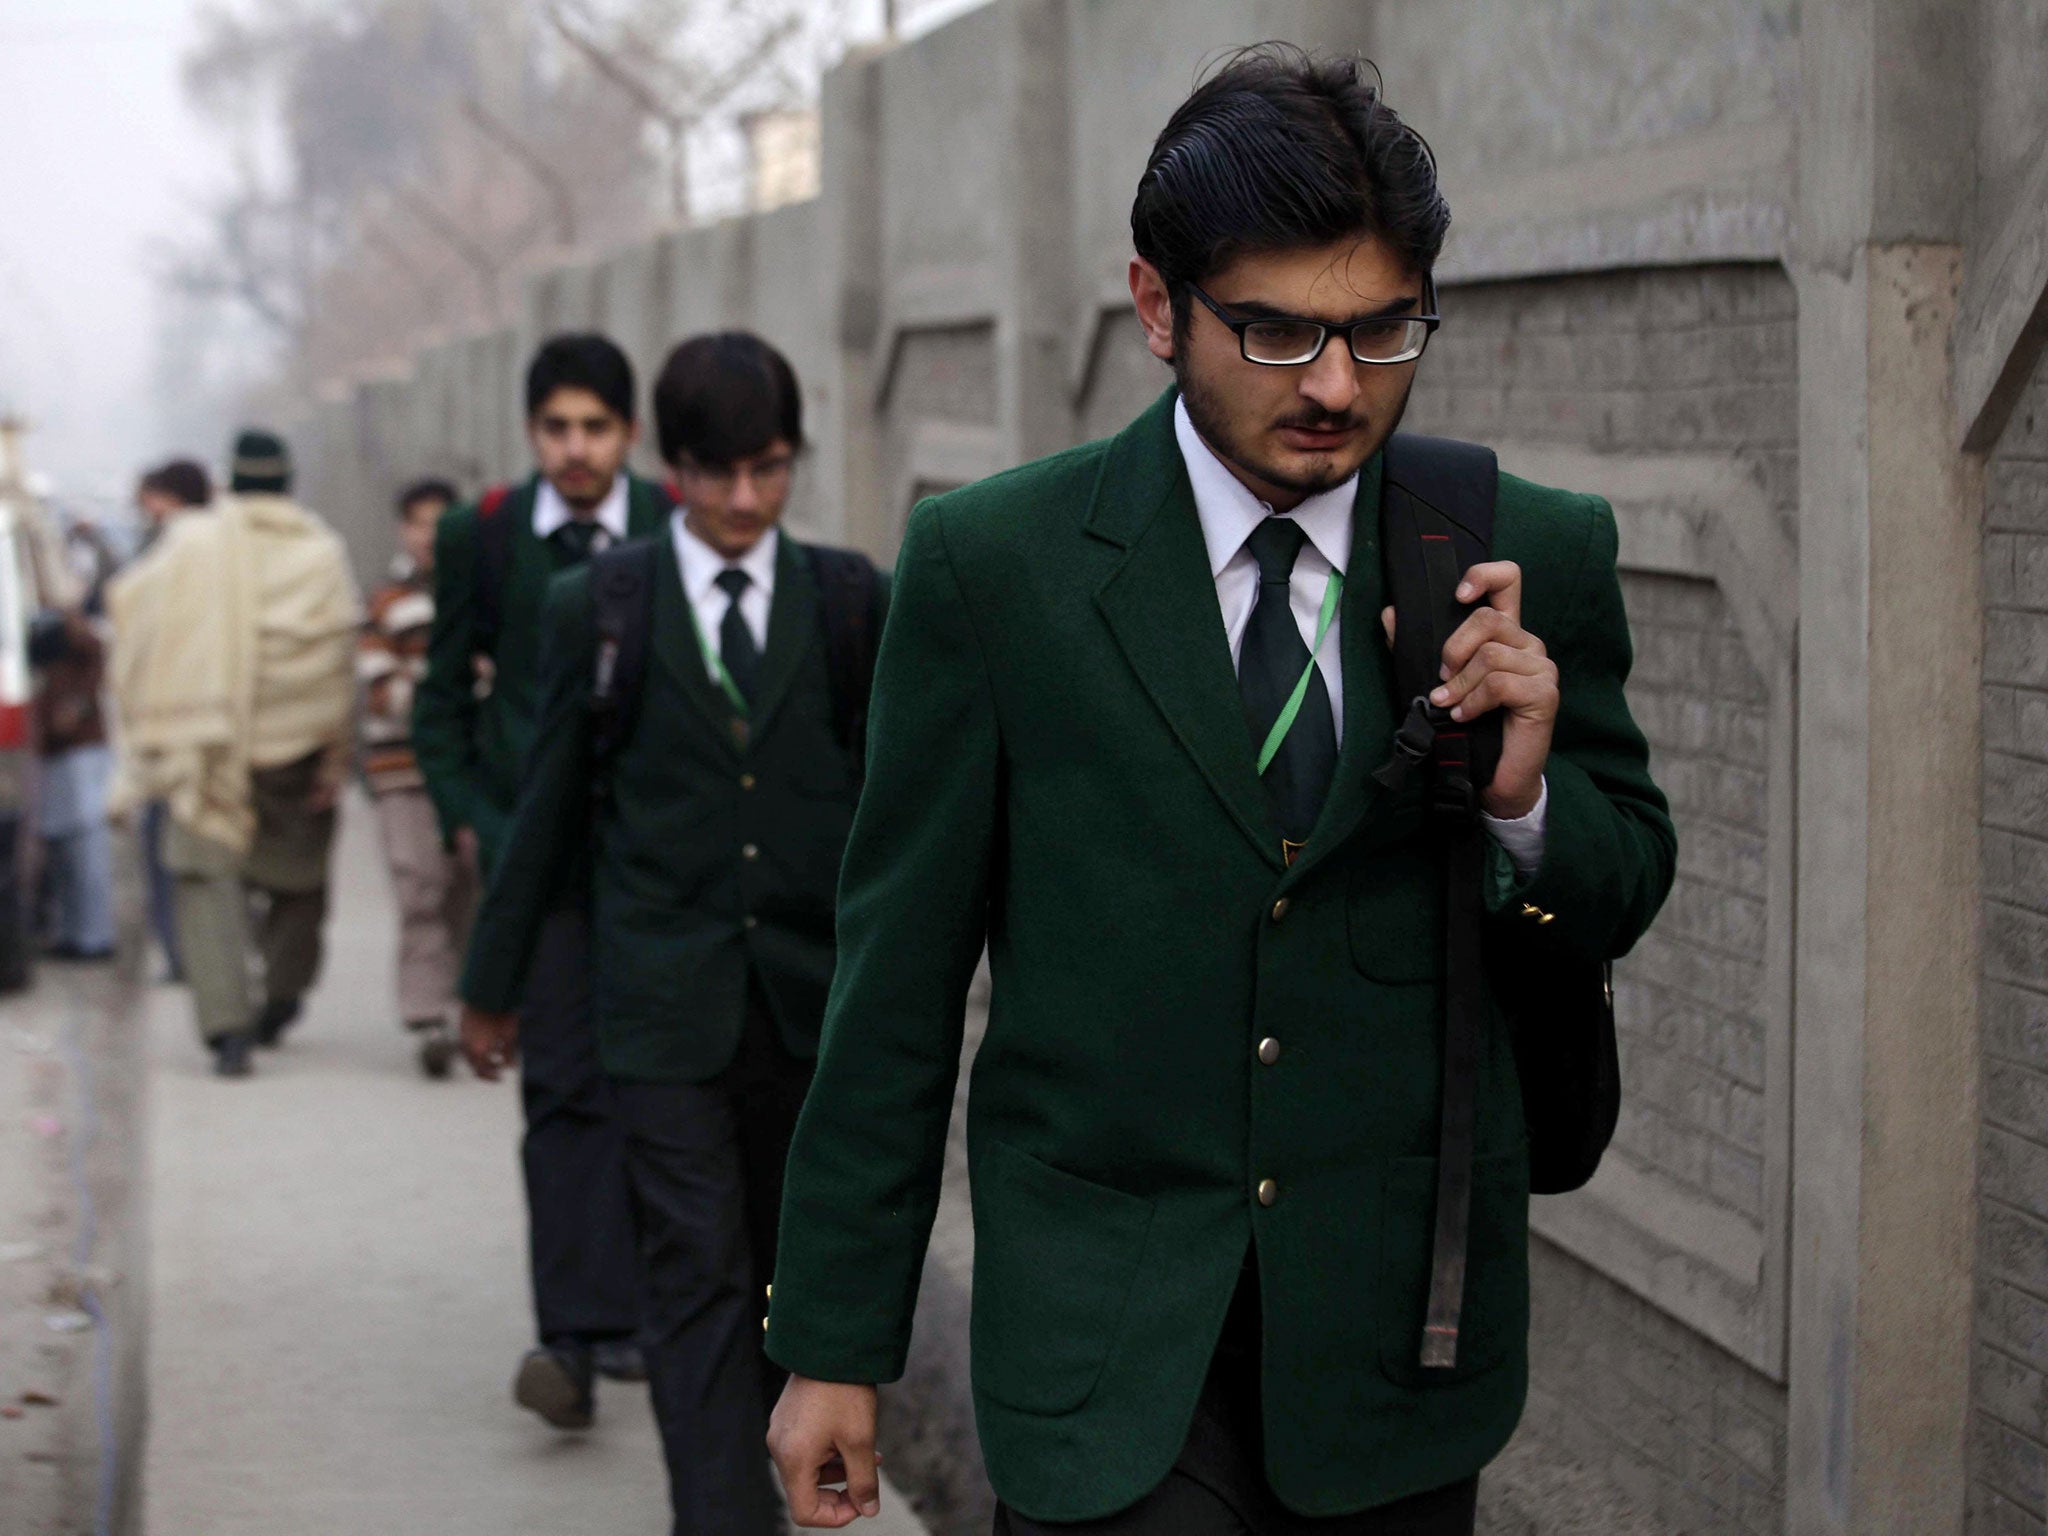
[736, 646]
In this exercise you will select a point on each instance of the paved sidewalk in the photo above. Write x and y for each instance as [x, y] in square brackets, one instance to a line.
[339, 1287]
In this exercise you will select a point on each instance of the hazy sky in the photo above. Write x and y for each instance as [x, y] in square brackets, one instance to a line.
[97, 151]
[99, 157]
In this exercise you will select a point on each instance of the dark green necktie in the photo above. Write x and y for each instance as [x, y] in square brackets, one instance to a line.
[736, 648]
[576, 539]
[1269, 664]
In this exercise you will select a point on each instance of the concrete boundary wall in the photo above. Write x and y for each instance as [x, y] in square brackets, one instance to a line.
[1768, 275]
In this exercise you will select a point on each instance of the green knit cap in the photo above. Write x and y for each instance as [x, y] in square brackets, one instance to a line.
[262, 463]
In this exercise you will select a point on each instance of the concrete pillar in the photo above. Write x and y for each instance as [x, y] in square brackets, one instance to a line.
[1890, 645]
[1039, 285]
[849, 464]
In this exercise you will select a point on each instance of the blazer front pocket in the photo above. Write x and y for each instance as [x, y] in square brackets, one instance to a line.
[1055, 1259]
[1494, 1320]
[1395, 912]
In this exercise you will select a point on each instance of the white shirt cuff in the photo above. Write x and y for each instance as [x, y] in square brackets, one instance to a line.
[1521, 838]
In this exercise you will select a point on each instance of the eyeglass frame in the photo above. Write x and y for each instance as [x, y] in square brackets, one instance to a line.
[727, 476]
[1430, 322]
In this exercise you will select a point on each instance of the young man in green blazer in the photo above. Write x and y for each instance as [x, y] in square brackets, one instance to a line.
[1204, 1116]
[473, 723]
[715, 804]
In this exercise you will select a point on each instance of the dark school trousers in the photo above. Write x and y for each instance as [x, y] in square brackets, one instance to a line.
[586, 1280]
[1218, 1487]
[706, 1162]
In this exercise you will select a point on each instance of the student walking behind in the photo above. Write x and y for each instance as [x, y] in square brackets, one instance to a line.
[234, 680]
[436, 889]
[703, 693]
[473, 722]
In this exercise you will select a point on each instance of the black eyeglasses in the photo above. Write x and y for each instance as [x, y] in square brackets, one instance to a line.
[1287, 341]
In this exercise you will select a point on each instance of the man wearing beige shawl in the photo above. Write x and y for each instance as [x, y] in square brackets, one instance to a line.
[233, 682]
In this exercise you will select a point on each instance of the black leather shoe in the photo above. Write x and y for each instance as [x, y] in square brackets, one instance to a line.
[437, 1049]
[278, 1015]
[231, 1056]
[556, 1384]
[618, 1360]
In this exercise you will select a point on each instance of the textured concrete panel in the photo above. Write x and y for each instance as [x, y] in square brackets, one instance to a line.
[1639, 1423]
[2009, 1434]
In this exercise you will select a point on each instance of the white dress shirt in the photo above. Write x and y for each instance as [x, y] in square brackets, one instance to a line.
[701, 566]
[551, 512]
[1229, 512]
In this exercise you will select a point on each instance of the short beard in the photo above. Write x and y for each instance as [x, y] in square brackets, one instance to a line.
[1204, 410]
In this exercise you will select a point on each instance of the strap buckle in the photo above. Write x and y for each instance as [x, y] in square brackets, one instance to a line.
[1413, 743]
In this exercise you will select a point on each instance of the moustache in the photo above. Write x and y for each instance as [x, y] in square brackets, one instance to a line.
[1320, 423]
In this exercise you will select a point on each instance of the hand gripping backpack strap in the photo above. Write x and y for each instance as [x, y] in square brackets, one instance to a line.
[849, 591]
[622, 605]
[1437, 509]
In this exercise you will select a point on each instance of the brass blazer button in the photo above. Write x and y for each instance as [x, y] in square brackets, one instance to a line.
[1269, 1192]
[1280, 908]
[746, 781]
[1269, 1051]
[750, 853]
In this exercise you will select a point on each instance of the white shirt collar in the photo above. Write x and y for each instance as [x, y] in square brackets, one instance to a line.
[551, 512]
[701, 564]
[1229, 512]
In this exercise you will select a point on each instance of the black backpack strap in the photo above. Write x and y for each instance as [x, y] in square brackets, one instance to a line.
[1436, 514]
[849, 607]
[497, 526]
[622, 608]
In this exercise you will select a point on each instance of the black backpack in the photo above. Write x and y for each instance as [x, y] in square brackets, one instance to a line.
[1436, 521]
[622, 594]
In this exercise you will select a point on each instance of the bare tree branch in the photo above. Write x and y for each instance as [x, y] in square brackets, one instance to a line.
[556, 186]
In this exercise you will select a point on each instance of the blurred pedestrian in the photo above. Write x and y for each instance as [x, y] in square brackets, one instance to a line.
[166, 492]
[700, 732]
[71, 792]
[436, 889]
[233, 677]
[473, 723]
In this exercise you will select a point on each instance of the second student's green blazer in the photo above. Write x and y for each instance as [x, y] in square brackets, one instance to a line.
[1060, 768]
[472, 724]
[714, 851]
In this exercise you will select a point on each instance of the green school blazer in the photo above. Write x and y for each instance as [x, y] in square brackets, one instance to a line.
[714, 856]
[471, 748]
[1060, 768]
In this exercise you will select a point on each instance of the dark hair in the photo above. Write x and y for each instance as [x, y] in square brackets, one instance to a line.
[583, 360]
[425, 490]
[185, 480]
[725, 397]
[1281, 149]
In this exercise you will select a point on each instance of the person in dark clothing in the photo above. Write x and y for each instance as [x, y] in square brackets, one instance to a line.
[474, 713]
[715, 820]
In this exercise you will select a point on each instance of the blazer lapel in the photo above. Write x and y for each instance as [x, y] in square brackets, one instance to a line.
[1160, 604]
[647, 508]
[1368, 683]
[676, 646]
[792, 623]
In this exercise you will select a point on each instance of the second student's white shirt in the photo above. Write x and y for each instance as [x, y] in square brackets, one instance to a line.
[701, 566]
[551, 512]
[1229, 512]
